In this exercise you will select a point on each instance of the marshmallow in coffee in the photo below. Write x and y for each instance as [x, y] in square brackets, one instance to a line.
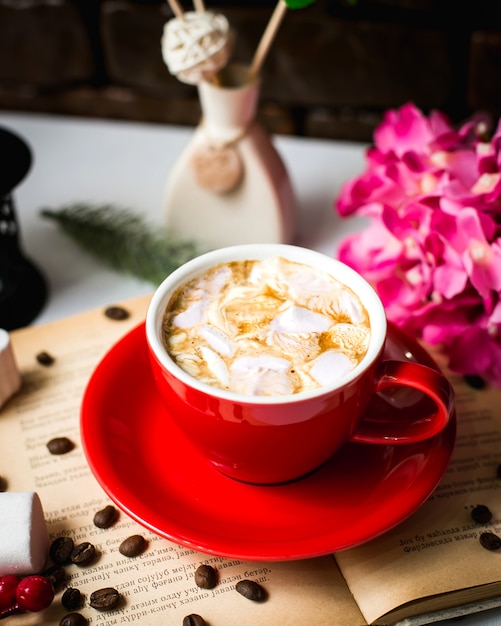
[266, 327]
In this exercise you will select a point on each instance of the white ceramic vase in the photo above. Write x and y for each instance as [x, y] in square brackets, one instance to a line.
[230, 185]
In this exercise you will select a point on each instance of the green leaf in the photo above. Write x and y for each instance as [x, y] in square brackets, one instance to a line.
[123, 241]
[298, 4]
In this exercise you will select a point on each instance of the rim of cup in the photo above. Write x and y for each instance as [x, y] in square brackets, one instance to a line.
[306, 256]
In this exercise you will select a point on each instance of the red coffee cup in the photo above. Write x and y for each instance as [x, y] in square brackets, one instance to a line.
[274, 439]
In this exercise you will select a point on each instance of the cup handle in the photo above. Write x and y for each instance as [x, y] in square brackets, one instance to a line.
[376, 429]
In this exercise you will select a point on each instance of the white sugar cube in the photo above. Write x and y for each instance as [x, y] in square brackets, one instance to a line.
[10, 379]
[24, 540]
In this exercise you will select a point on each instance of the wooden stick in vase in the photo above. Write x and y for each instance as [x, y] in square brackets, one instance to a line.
[176, 8]
[267, 38]
[199, 6]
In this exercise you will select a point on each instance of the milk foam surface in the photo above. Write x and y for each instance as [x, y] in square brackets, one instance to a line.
[271, 327]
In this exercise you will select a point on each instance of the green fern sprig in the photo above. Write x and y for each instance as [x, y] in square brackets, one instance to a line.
[123, 241]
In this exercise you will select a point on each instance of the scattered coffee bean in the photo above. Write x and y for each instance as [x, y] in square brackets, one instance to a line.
[71, 599]
[56, 574]
[490, 541]
[105, 599]
[132, 546]
[3, 484]
[476, 382]
[105, 517]
[481, 514]
[498, 471]
[73, 619]
[60, 550]
[60, 445]
[251, 590]
[205, 577]
[83, 553]
[194, 620]
[44, 358]
[117, 313]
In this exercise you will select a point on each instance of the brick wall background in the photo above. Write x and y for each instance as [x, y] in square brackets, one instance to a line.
[334, 68]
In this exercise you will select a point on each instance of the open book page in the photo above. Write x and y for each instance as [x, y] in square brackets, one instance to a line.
[158, 585]
[437, 550]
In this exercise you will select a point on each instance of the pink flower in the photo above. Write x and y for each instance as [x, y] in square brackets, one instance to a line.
[432, 248]
[478, 347]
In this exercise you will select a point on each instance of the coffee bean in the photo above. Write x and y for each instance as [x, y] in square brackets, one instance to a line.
[206, 577]
[481, 514]
[60, 445]
[44, 358]
[117, 313]
[474, 381]
[251, 590]
[105, 599]
[498, 471]
[194, 620]
[60, 550]
[105, 517]
[73, 619]
[71, 599]
[132, 546]
[83, 553]
[56, 574]
[490, 541]
[3, 484]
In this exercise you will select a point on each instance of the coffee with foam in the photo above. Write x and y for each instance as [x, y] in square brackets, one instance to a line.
[266, 327]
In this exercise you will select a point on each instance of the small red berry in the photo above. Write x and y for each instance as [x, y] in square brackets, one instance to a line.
[8, 586]
[34, 593]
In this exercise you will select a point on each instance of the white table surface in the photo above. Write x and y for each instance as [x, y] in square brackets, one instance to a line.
[127, 164]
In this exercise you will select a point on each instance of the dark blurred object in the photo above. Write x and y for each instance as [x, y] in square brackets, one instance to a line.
[22, 288]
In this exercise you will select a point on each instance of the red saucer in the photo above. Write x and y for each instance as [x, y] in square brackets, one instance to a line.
[153, 473]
